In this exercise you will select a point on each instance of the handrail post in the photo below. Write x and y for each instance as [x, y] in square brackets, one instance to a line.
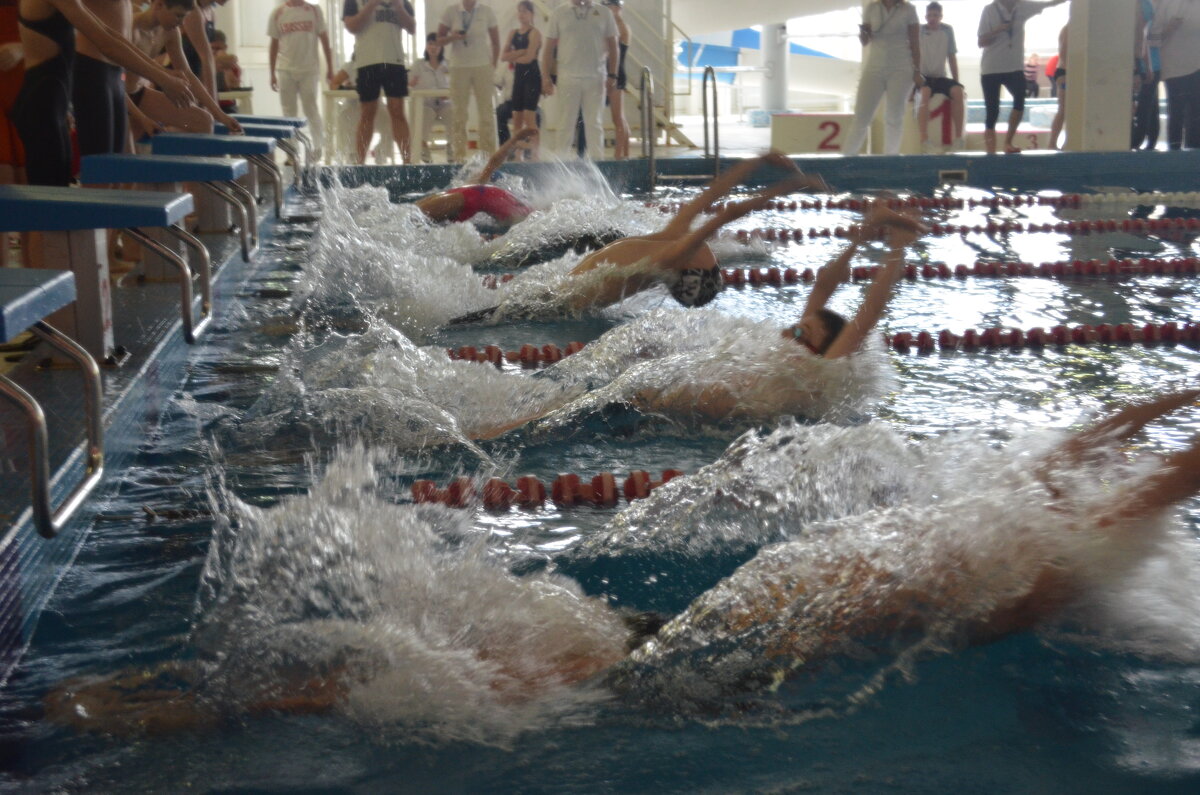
[649, 133]
[716, 148]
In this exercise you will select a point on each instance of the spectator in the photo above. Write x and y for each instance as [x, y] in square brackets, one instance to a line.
[1033, 65]
[891, 66]
[295, 29]
[616, 94]
[1051, 67]
[1147, 73]
[378, 27]
[937, 49]
[229, 71]
[1002, 38]
[429, 73]
[471, 30]
[1176, 32]
[521, 52]
[1060, 89]
[579, 62]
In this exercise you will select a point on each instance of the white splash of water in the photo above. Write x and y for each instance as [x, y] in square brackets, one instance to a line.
[430, 637]
[701, 364]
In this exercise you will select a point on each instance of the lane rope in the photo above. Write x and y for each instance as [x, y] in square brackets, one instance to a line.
[530, 493]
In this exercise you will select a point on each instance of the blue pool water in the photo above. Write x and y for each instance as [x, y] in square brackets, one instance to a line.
[293, 545]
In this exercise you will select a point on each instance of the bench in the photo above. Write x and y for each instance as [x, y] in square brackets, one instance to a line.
[257, 150]
[75, 222]
[27, 297]
[168, 173]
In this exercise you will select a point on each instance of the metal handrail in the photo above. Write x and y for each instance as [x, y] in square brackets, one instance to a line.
[716, 148]
[190, 328]
[48, 520]
[275, 174]
[649, 132]
[246, 230]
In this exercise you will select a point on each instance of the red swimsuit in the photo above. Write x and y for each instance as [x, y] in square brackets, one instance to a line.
[493, 201]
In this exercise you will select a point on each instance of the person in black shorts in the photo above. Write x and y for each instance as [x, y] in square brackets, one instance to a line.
[378, 27]
[524, 43]
[616, 94]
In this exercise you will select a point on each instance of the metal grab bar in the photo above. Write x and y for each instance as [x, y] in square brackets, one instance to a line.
[716, 148]
[48, 520]
[648, 128]
[246, 228]
[193, 242]
[190, 328]
[276, 175]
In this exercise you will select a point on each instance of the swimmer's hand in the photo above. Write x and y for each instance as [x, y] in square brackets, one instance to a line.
[813, 182]
[177, 91]
[525, 133]
[882, 217]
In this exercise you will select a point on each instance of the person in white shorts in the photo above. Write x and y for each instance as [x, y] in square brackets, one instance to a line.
[295, 28]
[579, 62]
[471, 34]
[891, 66]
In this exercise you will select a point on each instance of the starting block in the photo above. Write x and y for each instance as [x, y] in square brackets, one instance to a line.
[259, 151]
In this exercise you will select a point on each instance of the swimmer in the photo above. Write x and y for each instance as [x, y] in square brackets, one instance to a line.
[467, 201]
[676, 256]
[861, 582]
[821, 333]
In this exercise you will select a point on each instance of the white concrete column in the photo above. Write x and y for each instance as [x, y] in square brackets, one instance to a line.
[1099, 75]
[775, 76]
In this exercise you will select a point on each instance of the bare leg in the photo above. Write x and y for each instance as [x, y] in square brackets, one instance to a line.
[191, 118]
[958, 103]
[620, 125]
[395, 106]
[989, 141]
[1014, 121]
[1059, 115]
[366, 129]
[923, 114]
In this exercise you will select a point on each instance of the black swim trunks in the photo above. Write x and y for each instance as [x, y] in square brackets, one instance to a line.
[390, 78]
[98, 96]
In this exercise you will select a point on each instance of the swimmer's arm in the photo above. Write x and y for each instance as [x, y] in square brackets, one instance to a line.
[501, 155]
[876, 300]
[718, 189]
[830, 278]
[203, 98]
[678, 254]
[117, 48]
[193, 28]
[493, 431]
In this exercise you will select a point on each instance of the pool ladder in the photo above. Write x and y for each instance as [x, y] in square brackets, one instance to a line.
[649, 131]
[710, 78]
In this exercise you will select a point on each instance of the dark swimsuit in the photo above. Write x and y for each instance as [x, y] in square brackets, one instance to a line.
[527, 78]
[99, 100]
[40, 112]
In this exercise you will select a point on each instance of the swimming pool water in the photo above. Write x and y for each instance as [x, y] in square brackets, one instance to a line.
[1069, 708]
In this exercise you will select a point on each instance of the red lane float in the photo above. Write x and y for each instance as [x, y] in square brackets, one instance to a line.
[566, 491]
[1150, 334]
[527, 356]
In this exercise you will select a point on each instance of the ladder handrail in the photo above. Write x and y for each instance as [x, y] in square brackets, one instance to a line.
[648, 127]
[716, 149]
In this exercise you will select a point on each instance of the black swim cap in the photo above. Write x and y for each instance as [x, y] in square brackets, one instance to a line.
[696, 287]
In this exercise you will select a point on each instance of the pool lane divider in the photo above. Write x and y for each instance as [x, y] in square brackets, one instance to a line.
[989, 339]
[1067, 201]
[1070, 228]
[566, 491]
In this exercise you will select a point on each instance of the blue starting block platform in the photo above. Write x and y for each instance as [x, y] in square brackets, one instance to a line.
[259, 150]
[168, 173]
[27, 297]
[75, 221]
[286, 136]
[286, 121]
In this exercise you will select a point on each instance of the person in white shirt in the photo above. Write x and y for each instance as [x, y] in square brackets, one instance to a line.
[378, 27]
[1176, 32]
[891, 66]
[1002, 38]
[937, 49]
[428, 73]
[471, 34]
[580, 62]
[295, 28]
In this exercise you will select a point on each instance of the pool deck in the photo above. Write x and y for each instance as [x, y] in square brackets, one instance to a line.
[147, 323]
